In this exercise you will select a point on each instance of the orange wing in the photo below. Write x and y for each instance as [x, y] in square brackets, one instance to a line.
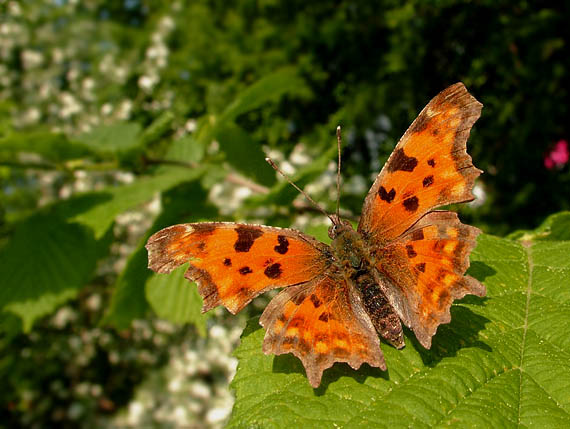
[423, 271]
[233, 263]
[429, 167]
[321, 323]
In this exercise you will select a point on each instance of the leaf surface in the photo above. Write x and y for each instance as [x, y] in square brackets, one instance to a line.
[43, 265]
[503, 361]
[173, 298]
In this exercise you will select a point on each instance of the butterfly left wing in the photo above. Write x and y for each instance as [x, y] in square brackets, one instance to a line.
[423, 271]
[321, 323]
[233, 263]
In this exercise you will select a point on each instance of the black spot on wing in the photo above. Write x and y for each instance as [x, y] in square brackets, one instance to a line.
[431, 162]
[410, 250]
[273, 271]
[283, 246]
[411, 204]
[428, 181]
[421, 267]
[324, 317]
[400, 161]
[246, 236]
[386, 196]
[228, 262]
[245, 270]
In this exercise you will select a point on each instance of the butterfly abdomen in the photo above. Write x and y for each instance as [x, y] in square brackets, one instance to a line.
[381, 313]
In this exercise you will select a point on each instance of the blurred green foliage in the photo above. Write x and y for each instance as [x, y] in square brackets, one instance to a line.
[104, 105]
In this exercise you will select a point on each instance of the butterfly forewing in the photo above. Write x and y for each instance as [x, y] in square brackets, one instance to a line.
[233, 263]
[429, 167]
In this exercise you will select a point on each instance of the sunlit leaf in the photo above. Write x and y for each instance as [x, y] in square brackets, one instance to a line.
[118, 137]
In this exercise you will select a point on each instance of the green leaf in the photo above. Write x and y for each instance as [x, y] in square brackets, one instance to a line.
[244, 154]
[116, 200]
[268, 88]
[186, 149]
[51, 146]
[502, 361]
[555, 227]
[173, 298]
[114, 138]
[43, 265]
[159, 127]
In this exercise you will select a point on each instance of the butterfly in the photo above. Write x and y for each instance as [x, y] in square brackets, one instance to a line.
[403, 265]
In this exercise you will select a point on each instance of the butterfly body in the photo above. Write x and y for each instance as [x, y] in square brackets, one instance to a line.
[403, 266]
[357, 261]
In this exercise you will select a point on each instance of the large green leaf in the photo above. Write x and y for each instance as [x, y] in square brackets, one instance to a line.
[502, 361]
[43, 265]
[173, 298]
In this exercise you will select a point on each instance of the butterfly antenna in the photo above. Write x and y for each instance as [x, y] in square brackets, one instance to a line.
[313, 202]
[338, 140]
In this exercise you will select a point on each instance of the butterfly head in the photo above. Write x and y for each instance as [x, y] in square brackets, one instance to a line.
[338, 226]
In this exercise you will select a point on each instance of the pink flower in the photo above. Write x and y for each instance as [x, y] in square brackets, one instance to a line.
[558, 156]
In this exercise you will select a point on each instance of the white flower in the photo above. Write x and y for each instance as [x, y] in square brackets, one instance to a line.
[124, 109]
[106, 109]
[147, 82]
[31, 59]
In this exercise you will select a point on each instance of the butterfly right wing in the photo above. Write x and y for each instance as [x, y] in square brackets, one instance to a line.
[321, 323]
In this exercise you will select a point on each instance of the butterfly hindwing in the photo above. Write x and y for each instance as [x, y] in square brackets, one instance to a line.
[233, 263]
[423, 271]
[321, 323]
[429, 167]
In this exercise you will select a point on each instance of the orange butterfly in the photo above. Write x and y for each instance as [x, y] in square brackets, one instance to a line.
[404, 263]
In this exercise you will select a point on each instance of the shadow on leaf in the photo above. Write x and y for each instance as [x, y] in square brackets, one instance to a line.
[480, 270]
[461, 333]
[290, 364]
